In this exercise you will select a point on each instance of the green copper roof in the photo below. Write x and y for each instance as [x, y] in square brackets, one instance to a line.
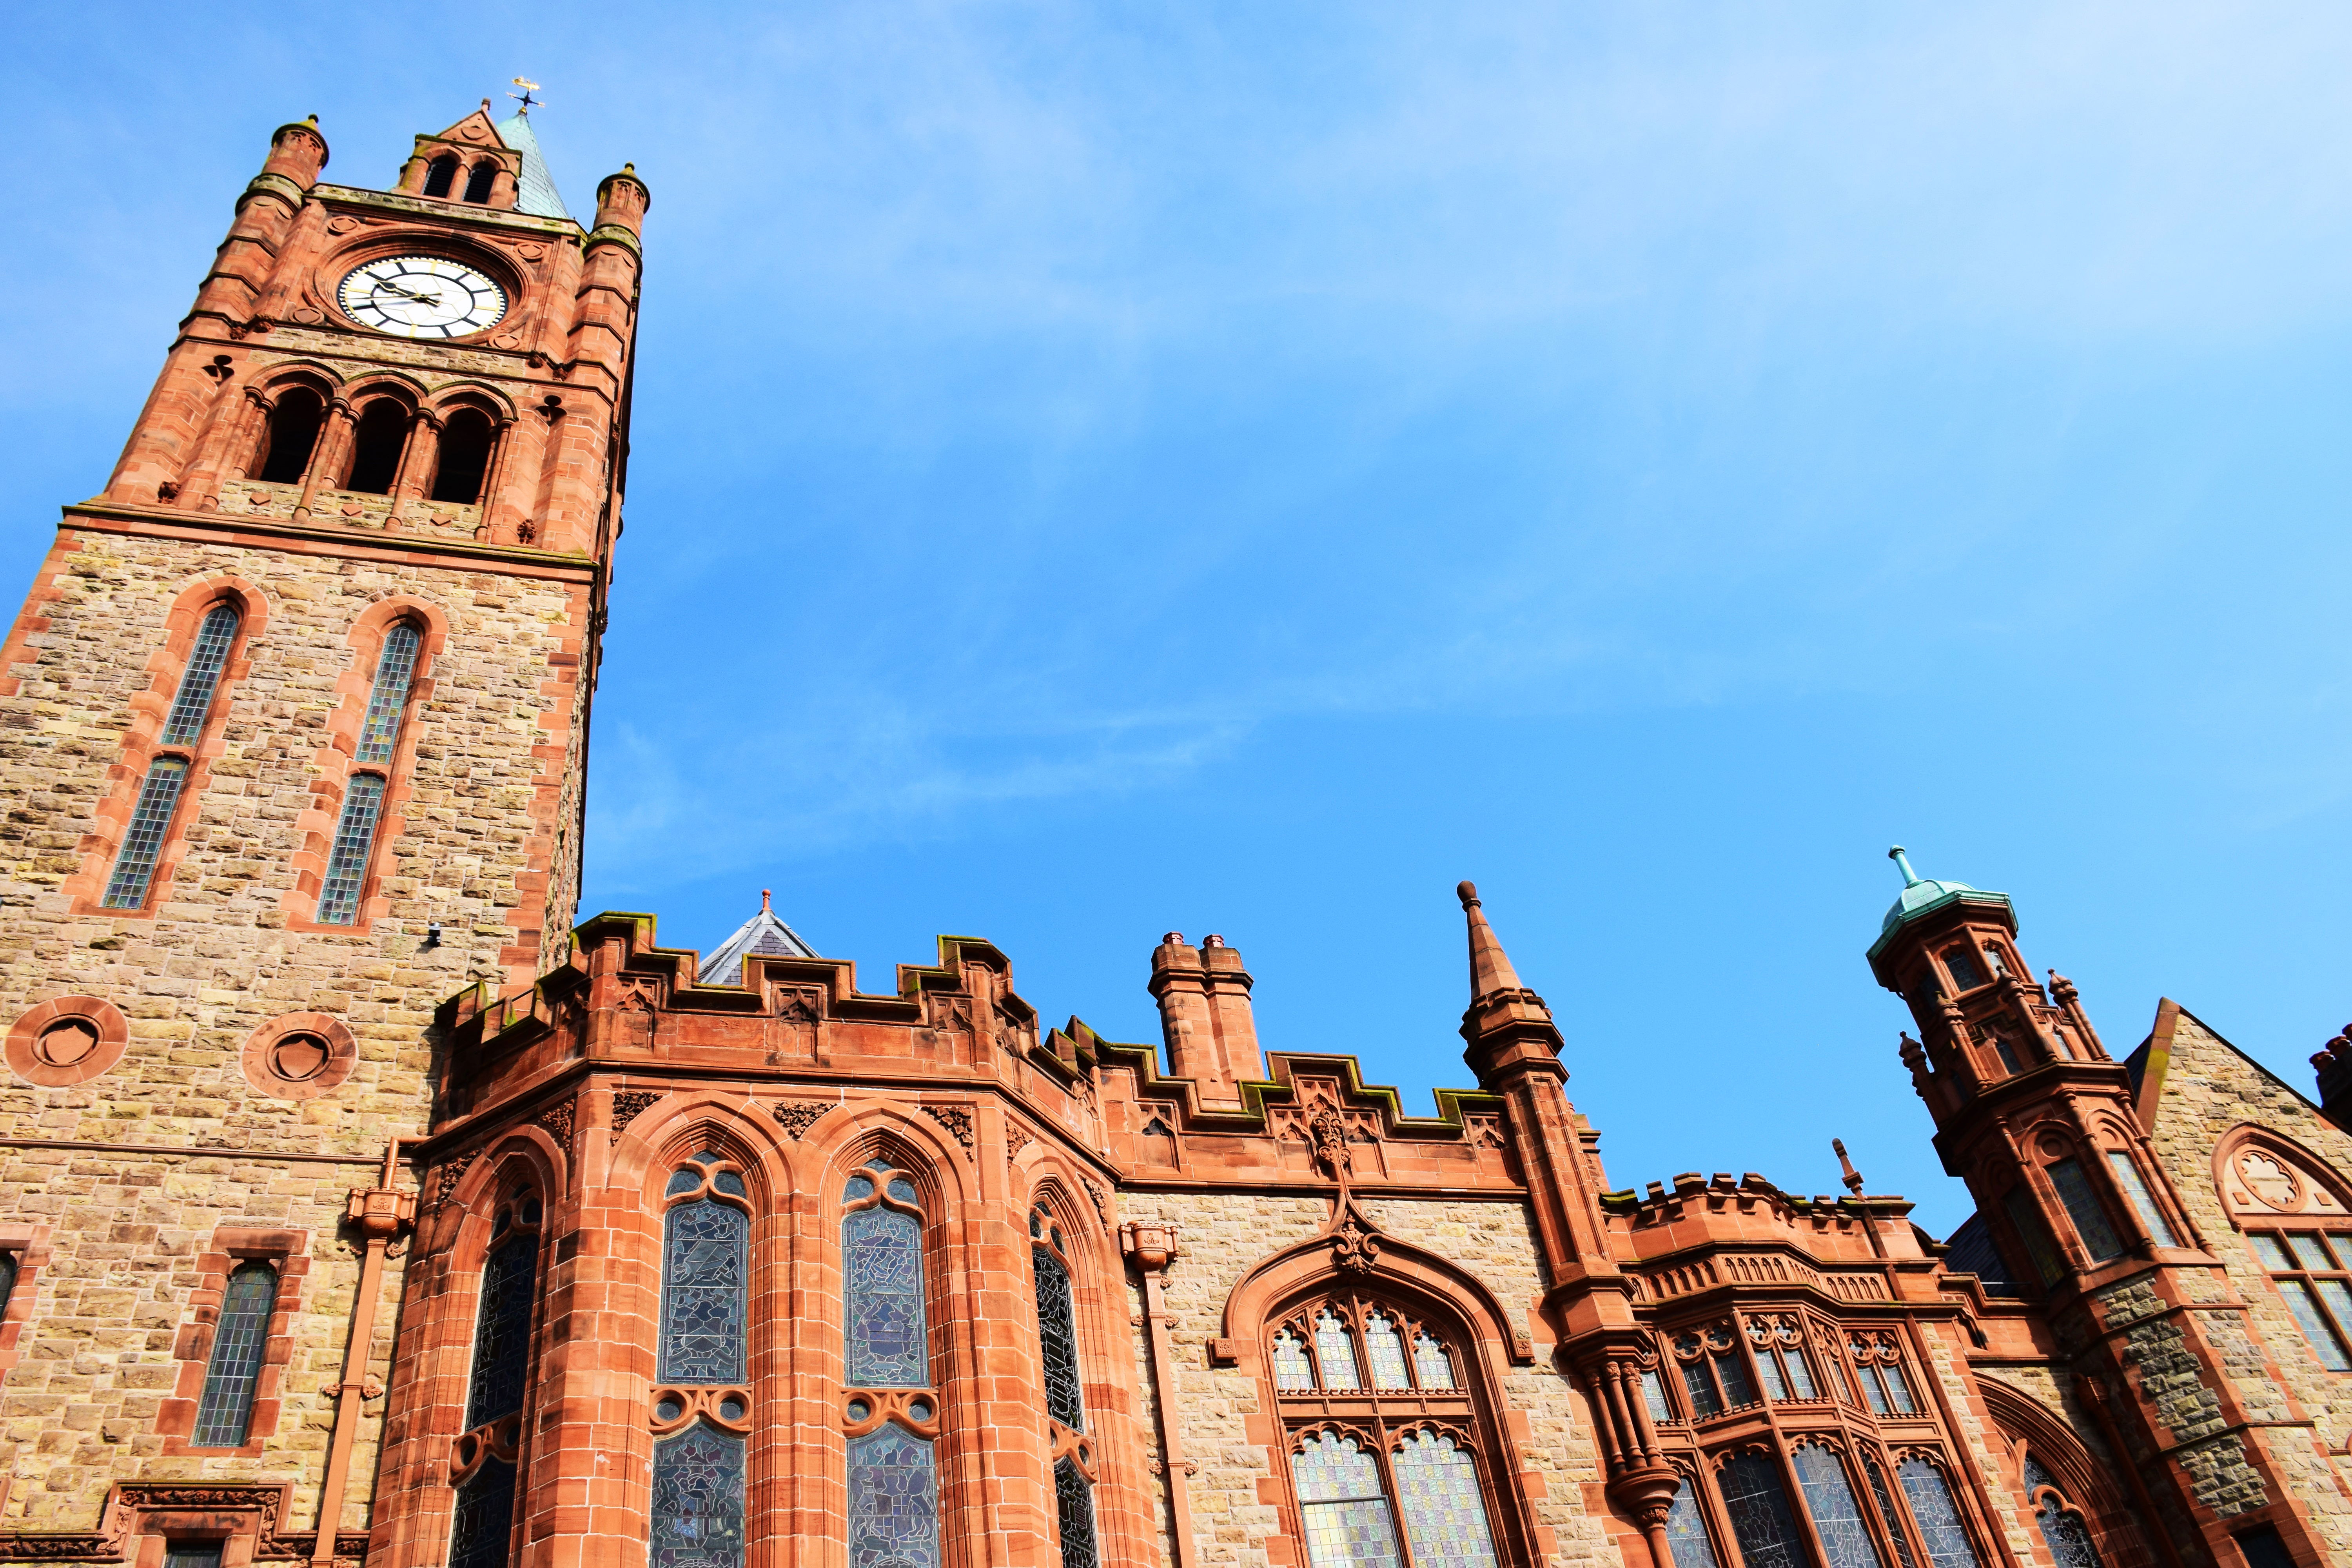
[535, 191]
[1921, 895]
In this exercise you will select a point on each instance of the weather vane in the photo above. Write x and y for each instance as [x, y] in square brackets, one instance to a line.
[524, 97]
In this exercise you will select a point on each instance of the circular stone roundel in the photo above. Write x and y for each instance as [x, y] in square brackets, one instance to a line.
[66, 1041]
[299, 1056]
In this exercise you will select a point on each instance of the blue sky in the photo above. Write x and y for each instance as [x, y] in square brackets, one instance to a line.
[1108, 470]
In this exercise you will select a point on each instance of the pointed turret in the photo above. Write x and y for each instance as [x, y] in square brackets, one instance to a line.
[1507, 1026]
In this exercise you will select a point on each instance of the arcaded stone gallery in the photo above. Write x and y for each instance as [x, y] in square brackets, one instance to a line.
[356, 1206]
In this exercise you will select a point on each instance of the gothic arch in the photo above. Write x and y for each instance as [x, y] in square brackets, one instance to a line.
[1400, 1266]
[2263, 1175]
[449, 398]
[678, 1126]
[2026, 1424]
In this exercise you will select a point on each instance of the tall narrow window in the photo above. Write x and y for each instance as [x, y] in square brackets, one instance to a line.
[894, 1491]
[1837, 1517]
[2315, 1277]
[1937, 1515]
[1714, 1373]
[192, 704]
[395, 673]
[238, 1338]
[2082, 1206]
[465, 458]
[1762, 1522]
[697, 1503]
[151, 823]
[7, 1281]
[2026, 1218]
[1687, 1534]
[2143, 1202]
[1878, 1367]
[2063, 1529]
[292, 434]
[376, 445]
[347, 861]
[441, 174]
[1057, 1343]
[479, 182]
[1779, 1344]
[482, 1524]
[1883, 1496]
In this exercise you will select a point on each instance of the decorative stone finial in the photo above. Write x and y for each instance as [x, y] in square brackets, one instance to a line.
[763, 900]
[1910, 878]
[1853, 1178]
[1468, 894]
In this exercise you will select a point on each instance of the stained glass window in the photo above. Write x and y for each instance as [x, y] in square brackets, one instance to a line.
[151, 819]
[882, 1263]
[1074, 1508]
[705, 1271]
[2084, 1209]
[1431, 1363]
[2025, 1214]
[1837, 1516]
[1885, 1497]
[347, 861]
[894, 1501]
[1437, 1492]
[1757, 1505]
[2134, 1187]
[502, 1331]
[193, 701]
[2062, 1530]
[1687, 1534]
[1292, 1371]
[396, 671]
[1936, 1515]
[1341, 1504]
[192, 1554]
[1336, 1349]
[1653, 1396]
[698, 1518]
[482, 1524]
[238, 1340]
[1384, 1348]
[1057, 1337]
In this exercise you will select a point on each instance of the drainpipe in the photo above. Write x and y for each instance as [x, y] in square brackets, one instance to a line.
[1154, 1248]
[380, 1215]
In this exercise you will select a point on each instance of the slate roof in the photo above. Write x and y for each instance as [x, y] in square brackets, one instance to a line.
[1971, 1251]
[535, 191]
[761, 936]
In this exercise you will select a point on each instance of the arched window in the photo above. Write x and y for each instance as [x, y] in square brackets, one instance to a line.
[1762, 1522]
[479, 182]
[441, 175]
[376, 446]
[159, 792]
[1838, 1521]
[2072, 1181]
[465, 458]
[378, 743]
[1397, 1479]
[2062, 1526]
[1714, 1373]
[1057, 1343]
[481, 1526]
[291, 432]
[894, 1495]
[1878, 1367]
[238, 1338]
[698, 1511]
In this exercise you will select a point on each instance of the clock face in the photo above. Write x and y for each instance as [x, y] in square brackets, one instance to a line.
[421, 296]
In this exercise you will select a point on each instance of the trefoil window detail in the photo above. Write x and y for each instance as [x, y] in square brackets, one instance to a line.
[225, 1410]
[2063, 1529]
[706, 1274]
[1878, 1367]
[1779, 1343]
[1715, 1374]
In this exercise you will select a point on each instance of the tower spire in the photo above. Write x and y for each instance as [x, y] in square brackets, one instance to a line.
[1490, 966]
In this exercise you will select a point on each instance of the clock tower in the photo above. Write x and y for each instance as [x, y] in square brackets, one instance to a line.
[293, 728]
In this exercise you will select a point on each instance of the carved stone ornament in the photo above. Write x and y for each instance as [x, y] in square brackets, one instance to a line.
[628, 1104]
[1101, 1199]
[1354, 1249]
[452, 1173]
[796, 1117]
[956, 1118]
[557, 1119]
[1016, 1141]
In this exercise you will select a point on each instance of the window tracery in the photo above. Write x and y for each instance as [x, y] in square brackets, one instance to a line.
[1057, 1342]
[1714, 1373]
[2063, 1529]
[1778, 1342]
[1878, 1367]
[890, 1408]
[702, 1405]
[1384, 1461]
[1687, 1534]
[2313, 1271]
[482, 1523]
